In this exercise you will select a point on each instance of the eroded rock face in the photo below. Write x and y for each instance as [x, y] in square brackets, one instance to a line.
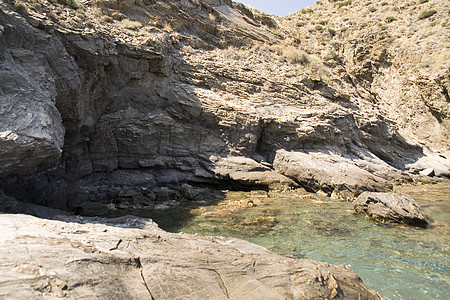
[31, 129]
[250, 172]
[132, 258]
[391, 208]
[203, 90]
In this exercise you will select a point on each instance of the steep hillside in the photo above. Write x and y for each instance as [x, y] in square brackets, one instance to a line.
[397, 53]
[139, 97]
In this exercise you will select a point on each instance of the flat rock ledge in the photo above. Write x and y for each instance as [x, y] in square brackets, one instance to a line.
[392, 208]
[131, 258]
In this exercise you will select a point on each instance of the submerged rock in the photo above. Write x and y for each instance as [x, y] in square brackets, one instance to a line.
[392, 208]
[132, 258]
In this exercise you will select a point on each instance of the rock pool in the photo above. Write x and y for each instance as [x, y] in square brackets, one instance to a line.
[397, 261]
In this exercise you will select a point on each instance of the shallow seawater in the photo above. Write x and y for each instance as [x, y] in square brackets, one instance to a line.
[399, 262]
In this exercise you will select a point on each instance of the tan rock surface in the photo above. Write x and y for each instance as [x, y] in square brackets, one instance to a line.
[131, 258]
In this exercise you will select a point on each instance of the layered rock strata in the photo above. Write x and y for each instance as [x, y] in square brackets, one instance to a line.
[138, 95]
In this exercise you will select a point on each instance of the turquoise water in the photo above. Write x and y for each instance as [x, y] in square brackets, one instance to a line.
[399, 262]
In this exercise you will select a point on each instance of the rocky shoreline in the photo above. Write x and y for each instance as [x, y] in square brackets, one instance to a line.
[62, 256]
[88, 115]
[149, 104]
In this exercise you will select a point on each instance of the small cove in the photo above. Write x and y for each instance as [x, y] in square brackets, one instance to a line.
[399, 262]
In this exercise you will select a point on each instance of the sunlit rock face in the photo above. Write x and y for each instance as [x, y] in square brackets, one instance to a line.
[132, 258]
[169, 92]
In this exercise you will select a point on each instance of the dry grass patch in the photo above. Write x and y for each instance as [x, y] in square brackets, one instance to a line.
[130, 24]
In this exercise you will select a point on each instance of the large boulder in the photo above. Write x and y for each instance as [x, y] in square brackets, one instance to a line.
[132, 258]
[392, 208]
[249, 172]
[332, 174]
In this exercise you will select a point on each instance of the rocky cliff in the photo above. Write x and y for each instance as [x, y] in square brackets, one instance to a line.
[149, 100]
[103, 97]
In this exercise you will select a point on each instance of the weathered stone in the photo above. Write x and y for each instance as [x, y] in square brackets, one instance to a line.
[391, 208]
[248, 172]
[132, 258]
[334, 175]
[160, 107]
[187, 191]
[427, 172]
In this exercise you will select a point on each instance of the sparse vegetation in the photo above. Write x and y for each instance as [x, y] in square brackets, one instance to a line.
[212, 17]
[290, 54]
[384, 3]
[69, 3]
[21, 7]
[319, 28]
[108, 19]
[278, 33]
[372, 9]
[307, 10]
[301, 23]
[332, 31]
[344, 3]
[130, 24]
[382, 27]
[423, 1]
[390, 40]
[427, 13]
[324, 22]
[434, 23]
[390, 19]
[331, 55]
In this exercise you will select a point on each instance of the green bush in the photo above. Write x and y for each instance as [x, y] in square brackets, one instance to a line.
[301, 23]
[384, 3]
[427, 13]
[423, 1]
[306, 10]
[390, 19]
[372, 9]
[324, 22]
[344, 3]
[319, 28]
[382, 27]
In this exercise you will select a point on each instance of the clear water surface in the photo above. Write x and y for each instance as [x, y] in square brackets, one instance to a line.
[399, 262]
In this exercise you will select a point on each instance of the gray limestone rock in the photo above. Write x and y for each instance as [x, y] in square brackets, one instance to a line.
[392, 208]
[31, 129]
